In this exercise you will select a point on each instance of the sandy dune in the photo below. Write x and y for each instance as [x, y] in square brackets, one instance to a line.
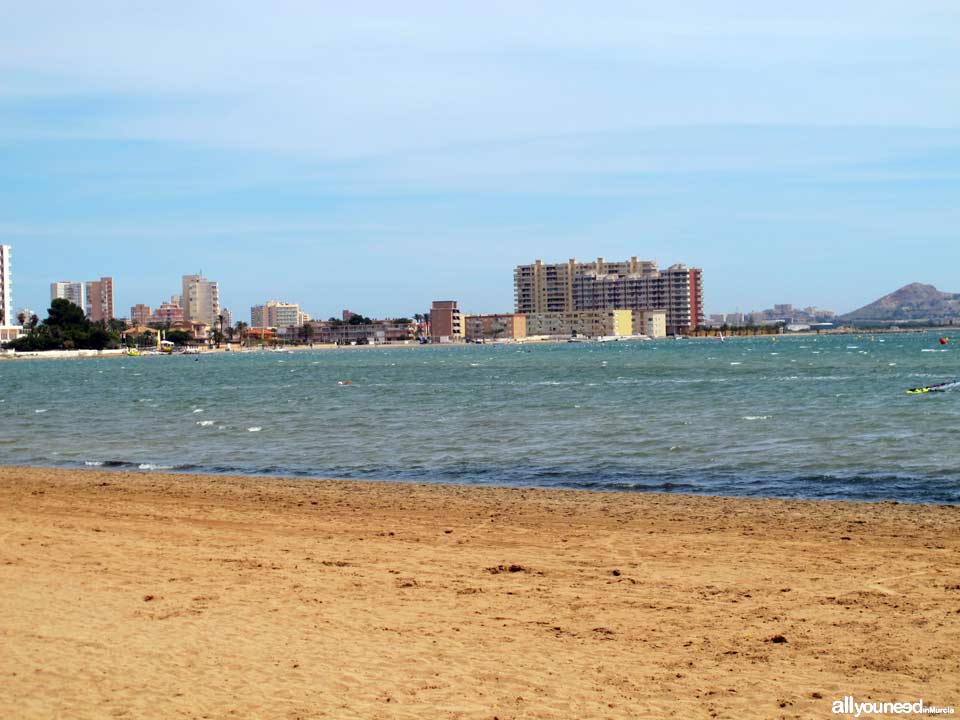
[153, 596]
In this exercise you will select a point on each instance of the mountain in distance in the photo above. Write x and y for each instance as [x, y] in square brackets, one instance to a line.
[915, 302]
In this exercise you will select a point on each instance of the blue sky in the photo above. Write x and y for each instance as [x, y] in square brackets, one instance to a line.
[381, 156]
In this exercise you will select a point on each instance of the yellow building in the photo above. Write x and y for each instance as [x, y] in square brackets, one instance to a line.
[592, 323]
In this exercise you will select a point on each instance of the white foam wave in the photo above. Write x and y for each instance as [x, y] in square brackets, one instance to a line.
[254, 429]
[756, 417]
[204, 423]
[151, 466]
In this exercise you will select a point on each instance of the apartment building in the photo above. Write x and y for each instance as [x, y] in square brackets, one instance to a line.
[652, 323]
[200, 300]
[446, 322]
[630, 284]
[99, 297]
[495, 327]
[592, 323]
[140, 315]
[75, 292]
[275, 314]
[378, 331]
[169, 313]
[6, 287]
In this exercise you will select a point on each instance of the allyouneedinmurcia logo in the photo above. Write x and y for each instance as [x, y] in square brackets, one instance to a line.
[849, 706]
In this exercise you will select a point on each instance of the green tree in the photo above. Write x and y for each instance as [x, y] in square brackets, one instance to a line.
[179, 337]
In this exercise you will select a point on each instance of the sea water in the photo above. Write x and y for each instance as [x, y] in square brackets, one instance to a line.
[799, 417]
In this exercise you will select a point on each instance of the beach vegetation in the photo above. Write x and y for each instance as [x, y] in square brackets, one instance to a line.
[66, 328]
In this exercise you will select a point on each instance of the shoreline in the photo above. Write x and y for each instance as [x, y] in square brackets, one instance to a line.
[87, 354]
[133, 468]
[153, 595]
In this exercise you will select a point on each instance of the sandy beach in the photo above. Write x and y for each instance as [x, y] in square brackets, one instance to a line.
[159, 596]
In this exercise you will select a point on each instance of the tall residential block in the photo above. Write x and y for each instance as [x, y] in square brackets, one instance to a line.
[200, 300]
[100, 300]
[627, 285]
[446, 322]
[6, 287]
[275, 314]
[75, 292]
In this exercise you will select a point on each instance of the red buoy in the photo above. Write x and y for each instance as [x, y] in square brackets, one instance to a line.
[943, 341]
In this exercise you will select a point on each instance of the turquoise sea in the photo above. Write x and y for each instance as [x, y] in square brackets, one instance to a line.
[807, 417]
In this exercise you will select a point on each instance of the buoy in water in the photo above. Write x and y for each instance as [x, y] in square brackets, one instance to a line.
[944, 341]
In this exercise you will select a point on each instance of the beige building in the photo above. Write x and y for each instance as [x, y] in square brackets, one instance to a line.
[631, 284]
[275, 314]
[100, 300]
[200, 300]
[592, 323]
[446, 322]
[495, 327]
[652, 323]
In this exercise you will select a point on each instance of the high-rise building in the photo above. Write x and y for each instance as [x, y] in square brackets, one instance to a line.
[6, 287]
[446, 322]
[274, 314]
[100, 300]
[227, 318]
[200, 300]
[75, 292]
[140, 315]
[629, 285]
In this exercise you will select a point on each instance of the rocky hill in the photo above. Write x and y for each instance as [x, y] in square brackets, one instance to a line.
[915, 302]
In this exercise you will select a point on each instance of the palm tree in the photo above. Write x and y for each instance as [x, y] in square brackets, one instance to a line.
[242, 331]
[22, 318]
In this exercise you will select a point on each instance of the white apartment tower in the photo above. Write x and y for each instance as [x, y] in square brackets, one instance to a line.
[75, 292]
[276, 314]
[200, 300]
[6, 287]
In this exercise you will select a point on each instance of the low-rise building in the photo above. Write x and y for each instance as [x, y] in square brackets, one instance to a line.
[511, 326]
[652, 323]
[592, 323]
[376, 332]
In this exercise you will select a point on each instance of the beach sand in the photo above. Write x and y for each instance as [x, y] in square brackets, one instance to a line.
[158, 596]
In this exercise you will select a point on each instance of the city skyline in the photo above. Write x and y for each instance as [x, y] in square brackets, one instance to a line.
[814, 154]
[122, 303]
